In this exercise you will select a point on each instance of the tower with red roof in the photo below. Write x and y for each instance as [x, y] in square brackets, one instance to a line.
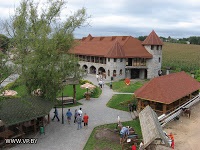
[153, 45]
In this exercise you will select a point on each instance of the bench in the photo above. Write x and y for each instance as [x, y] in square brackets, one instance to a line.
[66, 100]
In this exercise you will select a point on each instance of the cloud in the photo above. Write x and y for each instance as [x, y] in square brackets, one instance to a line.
[132, 17]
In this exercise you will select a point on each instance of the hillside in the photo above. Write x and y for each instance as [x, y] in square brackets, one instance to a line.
[181, 56]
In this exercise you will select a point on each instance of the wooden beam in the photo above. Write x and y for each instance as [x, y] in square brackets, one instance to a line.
[164, 108]
[139, 105]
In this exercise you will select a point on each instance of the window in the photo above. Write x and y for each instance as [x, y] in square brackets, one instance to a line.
[121, 60]
[120, 72]
[152, 47]
[115, 59]
[114, 73]
[159, 59]
[108, 59]
[157, 47]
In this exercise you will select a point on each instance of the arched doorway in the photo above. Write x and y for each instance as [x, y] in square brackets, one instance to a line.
[102, 72]
[85, 68]
[92, 70]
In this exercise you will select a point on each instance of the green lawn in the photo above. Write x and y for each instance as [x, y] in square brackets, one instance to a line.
[120, 101]
[120, 86]
[68, 90]
[94, 143]
[21, 90]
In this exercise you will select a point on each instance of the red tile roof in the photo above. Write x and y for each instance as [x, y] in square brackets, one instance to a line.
[152, 39]
[126, 47]
[169, 88]
[116, 51]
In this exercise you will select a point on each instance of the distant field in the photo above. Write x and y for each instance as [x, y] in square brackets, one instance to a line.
[181, 56]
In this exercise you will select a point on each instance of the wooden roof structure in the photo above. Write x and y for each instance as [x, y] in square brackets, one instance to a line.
[151, 128]
[18, 110]
[152, 39]
[168, 88]
[111, 47]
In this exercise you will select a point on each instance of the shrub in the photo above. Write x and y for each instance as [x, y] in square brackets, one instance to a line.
[84, 81]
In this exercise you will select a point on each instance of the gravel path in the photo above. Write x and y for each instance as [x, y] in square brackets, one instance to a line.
[64, 136]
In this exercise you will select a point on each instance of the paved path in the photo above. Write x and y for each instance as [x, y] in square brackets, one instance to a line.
[67, 137]
[10, 79]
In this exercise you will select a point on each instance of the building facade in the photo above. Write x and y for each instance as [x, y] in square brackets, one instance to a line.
[120, 56]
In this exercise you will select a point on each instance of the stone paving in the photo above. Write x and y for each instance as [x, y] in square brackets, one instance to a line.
[64, 136]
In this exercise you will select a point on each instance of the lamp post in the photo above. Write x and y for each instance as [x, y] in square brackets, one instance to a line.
[62, 105]
[62, 110]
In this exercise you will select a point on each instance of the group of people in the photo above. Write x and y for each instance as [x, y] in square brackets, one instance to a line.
[100, 80]
[78, 117]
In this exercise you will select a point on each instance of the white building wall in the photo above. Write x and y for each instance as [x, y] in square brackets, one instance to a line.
[153, 64]
[118, 65]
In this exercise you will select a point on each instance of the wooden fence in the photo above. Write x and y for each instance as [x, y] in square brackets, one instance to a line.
[176, 113]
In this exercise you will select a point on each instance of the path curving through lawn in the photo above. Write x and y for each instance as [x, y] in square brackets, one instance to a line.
[64, 136]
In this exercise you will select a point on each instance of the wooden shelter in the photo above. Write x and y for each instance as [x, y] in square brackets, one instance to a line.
[166, 93]
[152, 131]
[21, 115]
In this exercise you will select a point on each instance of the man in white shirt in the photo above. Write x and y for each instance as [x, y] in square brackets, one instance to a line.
[80, 112]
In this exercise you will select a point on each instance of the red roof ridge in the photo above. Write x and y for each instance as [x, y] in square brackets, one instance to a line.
[116, 51]
[152, 39]
[168, 88]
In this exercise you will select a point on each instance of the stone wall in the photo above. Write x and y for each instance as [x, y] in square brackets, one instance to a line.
[153, 64]
[110, 65]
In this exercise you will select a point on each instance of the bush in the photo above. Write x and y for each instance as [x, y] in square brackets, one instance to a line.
[84, 81]
[95, 93]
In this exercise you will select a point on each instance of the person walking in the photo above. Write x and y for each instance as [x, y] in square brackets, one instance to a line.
[80, 112]
[85, 120]
[97, 76]
[75, 115]
[69, 115]
[55, 114]
[100, 83]
[79, 121]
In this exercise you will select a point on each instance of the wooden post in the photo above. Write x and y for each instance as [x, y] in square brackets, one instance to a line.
[48, 119]
[164, 108]
[190, 96]
[74, 96]
[34, 121]
[139, 105]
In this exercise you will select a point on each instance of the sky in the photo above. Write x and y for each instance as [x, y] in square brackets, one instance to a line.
[173, 18]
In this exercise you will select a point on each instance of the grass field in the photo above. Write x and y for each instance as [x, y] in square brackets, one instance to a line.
[120, 101]
[181, 56]
[120, 86]
[106, 144]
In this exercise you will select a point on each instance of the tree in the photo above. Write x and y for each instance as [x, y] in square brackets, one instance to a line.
[42, 42]
[142, 38]
[4, 41]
